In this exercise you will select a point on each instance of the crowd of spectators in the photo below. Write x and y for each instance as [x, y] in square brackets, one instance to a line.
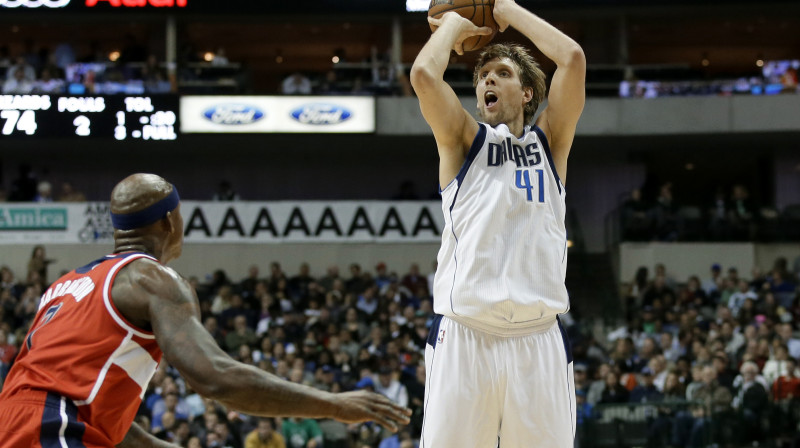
[377, 76]
[713, 361]
[778, 77]
[131, 70]
[360, 331]
[732, 216]
[27, 187]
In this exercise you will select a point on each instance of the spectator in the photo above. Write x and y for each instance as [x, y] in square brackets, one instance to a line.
[737, 299]
[718, 216]
[220, 58]
[18, 84]
[44, 192]
[225, 192]
[296, 84]
[387, 385]
[222, 301]
[301, 433]
[48, 83]
[368, 302]
[787, 337]
[614, 392]
[665, 215]
[752, 401]
[330, 85]
[778, 365]
[382, 278]
[400, 440]
[28, 71]
[37, 265]
[241, 335]
[7, 354]
[172, 404]
[69, 194]
[636, 224]
[742, 214]
[646, 392]
[298, 285]
[264, 436]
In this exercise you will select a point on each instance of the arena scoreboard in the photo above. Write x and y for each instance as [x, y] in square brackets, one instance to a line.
[145, 118]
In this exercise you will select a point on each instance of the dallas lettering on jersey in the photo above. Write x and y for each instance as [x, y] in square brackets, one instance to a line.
[500, 154]
[140, 3]
[78, 289]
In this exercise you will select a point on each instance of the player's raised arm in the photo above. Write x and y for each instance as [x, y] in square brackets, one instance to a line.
[568, 87]
[174, 316]
[453, 127]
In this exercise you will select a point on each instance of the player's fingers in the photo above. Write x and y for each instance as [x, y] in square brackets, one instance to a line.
[394, 412]
[434, 22]
[484, 31]
[459, 47]
[386, 423]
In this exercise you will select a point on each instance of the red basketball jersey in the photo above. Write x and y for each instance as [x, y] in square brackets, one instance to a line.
[81, 348]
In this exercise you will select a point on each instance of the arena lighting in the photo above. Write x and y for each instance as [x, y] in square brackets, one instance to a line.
[139, 3]
[417, 5]
[34, 3]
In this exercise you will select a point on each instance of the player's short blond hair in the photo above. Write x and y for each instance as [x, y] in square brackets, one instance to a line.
[530, 74]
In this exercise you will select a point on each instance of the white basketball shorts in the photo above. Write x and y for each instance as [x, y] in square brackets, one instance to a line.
[487, 391]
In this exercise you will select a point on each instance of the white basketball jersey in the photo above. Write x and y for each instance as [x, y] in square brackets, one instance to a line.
[503, 258]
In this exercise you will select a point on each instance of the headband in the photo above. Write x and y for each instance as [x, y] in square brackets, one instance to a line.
[147, 216]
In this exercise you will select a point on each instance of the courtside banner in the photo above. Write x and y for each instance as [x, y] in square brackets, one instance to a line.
[272, 114]
[237, 222]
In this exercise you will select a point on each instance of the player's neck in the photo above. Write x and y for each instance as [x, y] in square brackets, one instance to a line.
[516, 127]
[137, 243]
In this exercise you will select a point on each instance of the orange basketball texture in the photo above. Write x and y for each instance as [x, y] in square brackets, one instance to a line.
[478, 11]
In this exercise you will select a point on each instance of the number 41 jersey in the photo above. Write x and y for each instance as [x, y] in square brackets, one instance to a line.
[81, 348]
[502, 264]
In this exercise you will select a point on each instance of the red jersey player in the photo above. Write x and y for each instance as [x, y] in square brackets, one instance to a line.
[102, 329]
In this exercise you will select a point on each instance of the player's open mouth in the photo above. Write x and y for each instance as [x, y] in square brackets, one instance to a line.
[490, 99]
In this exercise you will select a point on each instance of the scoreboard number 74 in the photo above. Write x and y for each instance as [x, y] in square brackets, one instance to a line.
[24, 121]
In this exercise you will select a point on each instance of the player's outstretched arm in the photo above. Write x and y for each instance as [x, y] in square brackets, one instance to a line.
[137, 437]
[568, 87]
[173, 312]
[453, 127]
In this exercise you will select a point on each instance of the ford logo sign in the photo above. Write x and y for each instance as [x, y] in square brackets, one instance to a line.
[320, 113]
[233, 114]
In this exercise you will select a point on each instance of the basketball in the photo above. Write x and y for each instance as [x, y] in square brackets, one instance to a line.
[478, 11]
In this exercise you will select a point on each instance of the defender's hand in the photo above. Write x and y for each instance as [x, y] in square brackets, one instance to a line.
[501, 11]
[363, 406]
[466, 28]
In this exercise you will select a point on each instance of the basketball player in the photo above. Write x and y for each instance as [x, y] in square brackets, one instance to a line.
[499, 364]
[100, 332]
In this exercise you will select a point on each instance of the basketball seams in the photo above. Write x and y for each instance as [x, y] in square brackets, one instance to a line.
[484, 4]
[486, 19]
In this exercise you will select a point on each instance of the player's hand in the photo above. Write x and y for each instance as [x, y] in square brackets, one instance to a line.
[363, 406]
[502, 10]
[467, 29]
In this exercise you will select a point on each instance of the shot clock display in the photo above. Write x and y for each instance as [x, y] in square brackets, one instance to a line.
[147, 118]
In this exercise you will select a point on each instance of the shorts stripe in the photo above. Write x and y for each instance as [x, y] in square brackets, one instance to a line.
[565, 338]
[433, 334]
[60, 425]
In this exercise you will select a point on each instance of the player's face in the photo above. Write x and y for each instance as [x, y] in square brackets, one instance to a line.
[501, 97]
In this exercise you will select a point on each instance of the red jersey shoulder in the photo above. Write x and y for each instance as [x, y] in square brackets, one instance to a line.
[84, 280]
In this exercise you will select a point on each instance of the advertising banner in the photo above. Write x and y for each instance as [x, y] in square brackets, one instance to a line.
[237, 222]
[259, 114]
